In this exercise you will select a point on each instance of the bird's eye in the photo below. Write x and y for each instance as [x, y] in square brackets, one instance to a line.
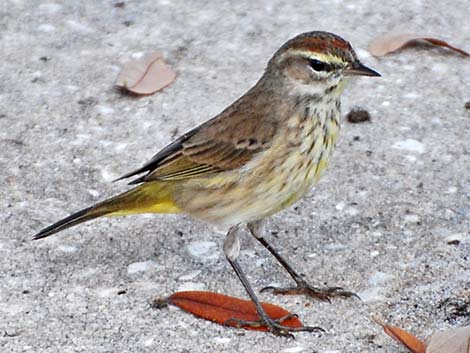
[318, 65]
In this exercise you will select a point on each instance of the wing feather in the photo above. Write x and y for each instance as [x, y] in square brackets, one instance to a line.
[223, 143]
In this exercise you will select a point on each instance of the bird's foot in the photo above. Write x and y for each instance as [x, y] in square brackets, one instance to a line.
[323, 294]
[274, 326]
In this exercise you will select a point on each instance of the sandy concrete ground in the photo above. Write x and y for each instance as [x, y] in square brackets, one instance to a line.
[379, 223]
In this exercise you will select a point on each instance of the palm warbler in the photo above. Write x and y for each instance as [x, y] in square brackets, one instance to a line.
[257, 157]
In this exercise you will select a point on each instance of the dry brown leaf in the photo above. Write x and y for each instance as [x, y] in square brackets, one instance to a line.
[411, 342]
[221, 308]
[146, 76]
[391, 42]
[456, 340]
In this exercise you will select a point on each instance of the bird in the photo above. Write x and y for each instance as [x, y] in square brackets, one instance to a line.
[254, 159]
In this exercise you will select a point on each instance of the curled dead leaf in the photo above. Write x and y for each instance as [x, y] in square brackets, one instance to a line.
[222, 309]
[145, 76]
[414, 344]
[391, 42]
[455, 340]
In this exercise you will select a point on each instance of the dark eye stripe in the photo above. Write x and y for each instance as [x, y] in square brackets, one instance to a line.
[318, 65]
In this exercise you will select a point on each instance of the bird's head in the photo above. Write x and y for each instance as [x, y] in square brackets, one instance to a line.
[317, 63]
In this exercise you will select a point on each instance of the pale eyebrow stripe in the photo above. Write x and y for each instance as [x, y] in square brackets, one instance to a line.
[329, 59]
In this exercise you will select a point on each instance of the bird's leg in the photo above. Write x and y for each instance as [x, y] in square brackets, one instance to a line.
[232, 251]
[256, 228]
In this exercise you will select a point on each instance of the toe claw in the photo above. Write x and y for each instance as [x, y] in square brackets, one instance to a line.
[324, 294]
[264, 289]
[274, 326]
[313, 329]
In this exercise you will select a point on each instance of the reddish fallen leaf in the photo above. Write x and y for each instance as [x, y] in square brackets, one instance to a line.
[455, 340]
[414, 344]
[146, 76]
[392, 42]
[221, 308]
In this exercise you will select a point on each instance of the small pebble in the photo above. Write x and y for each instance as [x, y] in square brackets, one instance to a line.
[358, 115]
[411, 218]
[137, 55]
[148, 342]
[455, 239]
[120, 147]
[409, 145]
[371, 295]
[379, 278]
[452, 190]
[351, 211]
[49, 9]
[221, 340]
[94, 193]
[260, 262]
[336, 246]
[67, 248]
[144, 266]
[37, 78]
[363, 53]
[46, 28]
[294, 349]
[374, 253]
[106, 292]
[200, 249]
[439, 68]
[467, 105]
[191, 286]
[411, 95]
[107, 175]
[105, 110]
[340, 206]
[409, 68]
[79, 27]
[189, 276]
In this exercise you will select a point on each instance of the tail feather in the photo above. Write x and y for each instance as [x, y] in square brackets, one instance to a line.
[81, 216]
[155, 197]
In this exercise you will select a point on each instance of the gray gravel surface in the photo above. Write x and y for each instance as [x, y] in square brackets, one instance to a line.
[389, 220]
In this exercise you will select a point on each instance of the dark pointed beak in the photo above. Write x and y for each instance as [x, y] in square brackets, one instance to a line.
[359, 69]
